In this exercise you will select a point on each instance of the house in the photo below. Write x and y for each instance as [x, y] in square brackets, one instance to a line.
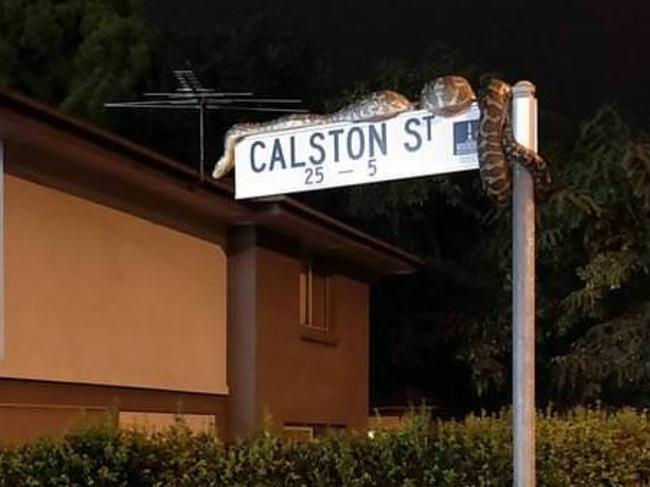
[131, 287]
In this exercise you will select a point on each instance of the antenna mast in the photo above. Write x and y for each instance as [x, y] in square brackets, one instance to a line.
[191, 95]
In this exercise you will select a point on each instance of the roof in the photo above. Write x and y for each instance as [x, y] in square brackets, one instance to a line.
[61, 151]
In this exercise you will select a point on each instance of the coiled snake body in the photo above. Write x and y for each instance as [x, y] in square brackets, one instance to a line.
[498, 149]
[445, 96]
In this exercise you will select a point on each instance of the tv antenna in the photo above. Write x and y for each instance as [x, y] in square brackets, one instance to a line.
[191, 95]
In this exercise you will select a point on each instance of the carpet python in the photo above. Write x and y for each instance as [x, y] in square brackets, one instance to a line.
[376, 106]
[445, 96]
[498, 149]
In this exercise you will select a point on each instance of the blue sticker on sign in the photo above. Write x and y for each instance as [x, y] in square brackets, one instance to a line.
[465, 137]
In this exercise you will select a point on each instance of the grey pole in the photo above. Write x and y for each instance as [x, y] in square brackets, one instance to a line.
[524, 116]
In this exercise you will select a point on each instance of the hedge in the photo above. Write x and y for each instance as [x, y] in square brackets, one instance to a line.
[585, 447]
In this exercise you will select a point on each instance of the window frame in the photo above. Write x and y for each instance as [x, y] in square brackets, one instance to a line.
[312, 329]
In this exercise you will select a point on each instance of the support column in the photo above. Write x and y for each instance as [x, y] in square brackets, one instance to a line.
[242, 332]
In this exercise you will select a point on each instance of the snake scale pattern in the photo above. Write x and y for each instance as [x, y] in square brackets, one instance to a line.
[498, 149]
[445, 96]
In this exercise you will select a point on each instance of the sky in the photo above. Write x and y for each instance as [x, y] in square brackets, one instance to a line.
[578, 52]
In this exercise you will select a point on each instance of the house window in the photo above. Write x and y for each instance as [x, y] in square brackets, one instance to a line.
[314, 297]
[298, 433]
[308, 432]
[155, 422]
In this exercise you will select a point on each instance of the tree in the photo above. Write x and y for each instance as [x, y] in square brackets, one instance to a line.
[597, 241]
[75, 54]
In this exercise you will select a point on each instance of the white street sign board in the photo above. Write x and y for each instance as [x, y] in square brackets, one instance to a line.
[409, 145]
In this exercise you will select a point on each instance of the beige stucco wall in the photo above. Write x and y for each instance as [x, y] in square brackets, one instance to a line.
[24, 422]
[100, 296]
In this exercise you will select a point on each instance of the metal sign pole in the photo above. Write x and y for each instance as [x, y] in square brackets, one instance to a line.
[524, 108]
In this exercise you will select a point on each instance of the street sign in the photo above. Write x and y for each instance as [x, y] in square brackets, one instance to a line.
[409, 145]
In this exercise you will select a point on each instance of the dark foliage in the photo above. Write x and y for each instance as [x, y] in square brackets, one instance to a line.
[582, 448]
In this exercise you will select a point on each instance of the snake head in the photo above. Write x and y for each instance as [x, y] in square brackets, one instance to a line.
[499, 89]
[447, 95]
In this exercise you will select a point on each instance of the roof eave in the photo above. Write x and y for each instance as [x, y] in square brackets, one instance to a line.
[29, 122]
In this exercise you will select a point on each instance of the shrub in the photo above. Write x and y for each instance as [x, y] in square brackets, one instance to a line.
[585, 447]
